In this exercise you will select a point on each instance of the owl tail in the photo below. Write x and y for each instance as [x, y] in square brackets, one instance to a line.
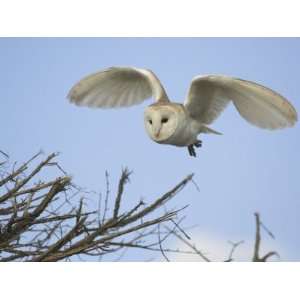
[206, 129]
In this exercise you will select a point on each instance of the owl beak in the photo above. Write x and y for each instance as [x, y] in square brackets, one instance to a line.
[156, 134]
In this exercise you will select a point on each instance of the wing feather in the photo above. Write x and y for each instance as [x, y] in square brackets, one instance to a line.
[117, 87]
[208, 96]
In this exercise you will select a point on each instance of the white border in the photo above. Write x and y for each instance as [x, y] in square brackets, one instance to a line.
[149, 18]
[150, 281]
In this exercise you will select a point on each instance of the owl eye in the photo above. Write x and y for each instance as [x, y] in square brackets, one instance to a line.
[164, 120]
[150, 121]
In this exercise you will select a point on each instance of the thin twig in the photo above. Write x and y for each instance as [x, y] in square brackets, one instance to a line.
[123, 180]
[190, 245]
[160, 244]
[233, 248]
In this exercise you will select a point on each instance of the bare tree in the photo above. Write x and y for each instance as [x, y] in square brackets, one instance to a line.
[49, 220]
[38, 221]
[185, 239]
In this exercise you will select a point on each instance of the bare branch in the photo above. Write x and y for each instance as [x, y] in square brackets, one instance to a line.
[123, 180]
[38, 222]
[233, 248]
[256, 256]
[30, 176]
[53, 219]
[4, 154]
[160, 245]
[193, 247]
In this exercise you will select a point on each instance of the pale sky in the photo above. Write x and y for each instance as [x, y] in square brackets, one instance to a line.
[244, 170]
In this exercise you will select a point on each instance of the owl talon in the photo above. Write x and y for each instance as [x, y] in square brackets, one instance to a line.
[192, 151]
[198, 144]
[191, 148]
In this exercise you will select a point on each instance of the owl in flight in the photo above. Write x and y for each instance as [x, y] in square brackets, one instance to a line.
[178, 124]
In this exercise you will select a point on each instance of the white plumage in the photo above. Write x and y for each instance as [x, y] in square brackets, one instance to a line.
[176, 124]
[117, 87]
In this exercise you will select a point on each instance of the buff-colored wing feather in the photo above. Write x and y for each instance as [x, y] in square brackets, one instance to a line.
[117, 87]
[208, 96]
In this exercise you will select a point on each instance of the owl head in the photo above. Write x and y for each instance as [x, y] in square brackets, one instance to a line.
[161, 121]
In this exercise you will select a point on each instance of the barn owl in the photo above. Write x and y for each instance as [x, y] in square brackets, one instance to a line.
[178, 124]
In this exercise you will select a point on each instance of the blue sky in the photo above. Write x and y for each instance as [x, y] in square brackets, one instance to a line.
[244, 170]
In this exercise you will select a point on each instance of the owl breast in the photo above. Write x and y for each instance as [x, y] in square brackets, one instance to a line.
[184, 135]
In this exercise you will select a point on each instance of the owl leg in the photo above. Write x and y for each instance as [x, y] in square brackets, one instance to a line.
[192, 151]
[191, 148]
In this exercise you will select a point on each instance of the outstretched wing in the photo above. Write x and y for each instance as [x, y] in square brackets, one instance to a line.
[208, 96]
[117, 87]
